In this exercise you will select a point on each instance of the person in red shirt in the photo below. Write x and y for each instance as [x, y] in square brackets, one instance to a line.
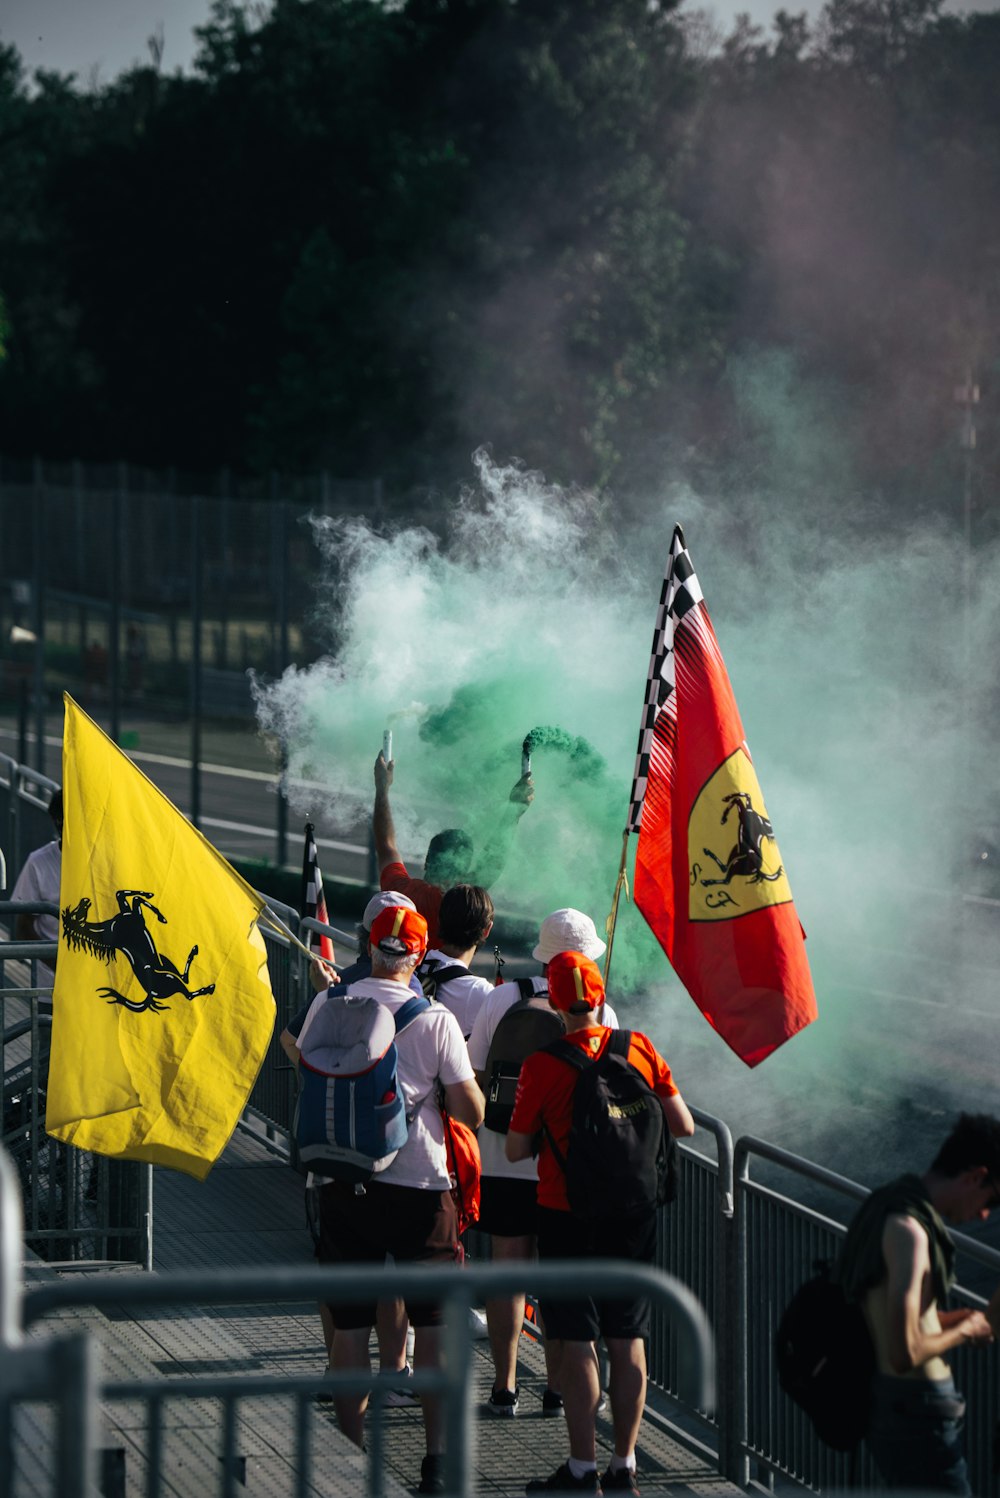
[450, 857]
[543, 1107]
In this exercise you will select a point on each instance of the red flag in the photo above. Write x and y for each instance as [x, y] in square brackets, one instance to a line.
[313, 902]
[709, 878]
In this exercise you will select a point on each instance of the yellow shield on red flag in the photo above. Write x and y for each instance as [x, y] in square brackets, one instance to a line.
[709, 876]
[162, 1003]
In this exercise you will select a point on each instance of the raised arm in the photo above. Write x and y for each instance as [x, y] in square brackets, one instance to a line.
[493, 859]
[384, 832]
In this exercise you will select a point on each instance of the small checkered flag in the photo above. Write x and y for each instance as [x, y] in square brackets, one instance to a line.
[313, 899]
[680, 592]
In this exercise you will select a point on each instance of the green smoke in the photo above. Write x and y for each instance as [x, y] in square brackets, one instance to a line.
[863, 676]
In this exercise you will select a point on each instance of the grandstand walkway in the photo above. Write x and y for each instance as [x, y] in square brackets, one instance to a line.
[250, 1213]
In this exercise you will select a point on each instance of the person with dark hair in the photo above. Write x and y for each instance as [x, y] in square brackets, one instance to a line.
[450, 858]
[465, 921]
[38, 881]
[897, 1262]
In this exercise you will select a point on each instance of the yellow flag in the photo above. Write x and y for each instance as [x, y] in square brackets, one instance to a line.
[162, 1004]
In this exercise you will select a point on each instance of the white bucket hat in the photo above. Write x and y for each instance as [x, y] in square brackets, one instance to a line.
[568, 931]
[382, 901]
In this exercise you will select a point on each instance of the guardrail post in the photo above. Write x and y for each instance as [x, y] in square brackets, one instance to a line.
[731, 1364]
[60, 1369]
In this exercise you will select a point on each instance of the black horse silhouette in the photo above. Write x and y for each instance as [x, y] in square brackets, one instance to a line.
[126, 933]
[747, 857]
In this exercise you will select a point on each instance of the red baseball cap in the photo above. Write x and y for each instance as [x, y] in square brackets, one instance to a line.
[574, 979]
[399, 932]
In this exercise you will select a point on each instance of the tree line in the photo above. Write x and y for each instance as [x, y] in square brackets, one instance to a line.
[596, 234]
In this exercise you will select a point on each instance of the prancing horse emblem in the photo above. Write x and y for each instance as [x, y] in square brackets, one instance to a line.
[747, 857]
[126, 933]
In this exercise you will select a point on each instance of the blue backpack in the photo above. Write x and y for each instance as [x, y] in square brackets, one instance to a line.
[350, 1119]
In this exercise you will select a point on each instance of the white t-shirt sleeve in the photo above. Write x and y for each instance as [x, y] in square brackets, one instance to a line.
[454, 1064]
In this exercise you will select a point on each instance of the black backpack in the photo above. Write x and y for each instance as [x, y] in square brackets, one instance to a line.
[826, 1360]
[431, 974]
[528, 1026]
[620, 1158]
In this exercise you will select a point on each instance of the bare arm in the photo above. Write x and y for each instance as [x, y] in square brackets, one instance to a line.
[496, 850]
[286, 1040]
[464, 1101]
[906, 1252]
[24, 928]
[519, 1147]
[383, 830]
[678, 1116]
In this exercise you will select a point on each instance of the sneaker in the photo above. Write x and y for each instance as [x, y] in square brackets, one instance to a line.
[622, 1481]
[552, 1403]
[563, 1481]
[504, 1401]
[431, 1474]
[478, 1330]
[398, 1398]
[602, 1404]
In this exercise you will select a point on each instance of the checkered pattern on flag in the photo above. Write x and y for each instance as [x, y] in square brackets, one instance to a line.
[709, 879]
[313, 902]
[680, 592]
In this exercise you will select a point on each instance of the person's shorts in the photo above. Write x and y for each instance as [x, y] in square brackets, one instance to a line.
[414, 1226]
[507, 1207]
[563, 1236]
[916, 1434]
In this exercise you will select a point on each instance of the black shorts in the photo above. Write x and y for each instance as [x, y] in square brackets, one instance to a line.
[414, 1226]
[508, 1208]
[563, 1236]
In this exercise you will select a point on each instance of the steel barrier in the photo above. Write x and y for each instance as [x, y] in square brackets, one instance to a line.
[458, 1290]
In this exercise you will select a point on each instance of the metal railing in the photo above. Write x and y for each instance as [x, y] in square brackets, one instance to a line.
[64, 1368]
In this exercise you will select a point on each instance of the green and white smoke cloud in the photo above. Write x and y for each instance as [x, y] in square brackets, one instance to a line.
[848, 659]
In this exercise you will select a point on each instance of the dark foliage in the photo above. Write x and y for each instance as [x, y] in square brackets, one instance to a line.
[368, 237]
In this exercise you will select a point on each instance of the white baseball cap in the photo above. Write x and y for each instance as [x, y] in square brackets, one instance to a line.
[382, 901]
[567, 931]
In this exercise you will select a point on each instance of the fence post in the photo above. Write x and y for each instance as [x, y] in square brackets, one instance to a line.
[118, 510]
[225, 485]
[38, 601]
[195, 660]
[732, 1361]
[279, 522]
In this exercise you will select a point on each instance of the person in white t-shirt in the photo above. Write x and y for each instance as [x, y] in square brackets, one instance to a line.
[464, 922]
[507, 1206]
[407, 1209]
[39, 881]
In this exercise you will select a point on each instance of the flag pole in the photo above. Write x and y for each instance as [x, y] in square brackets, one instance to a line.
[620, 884]
[267, 917]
